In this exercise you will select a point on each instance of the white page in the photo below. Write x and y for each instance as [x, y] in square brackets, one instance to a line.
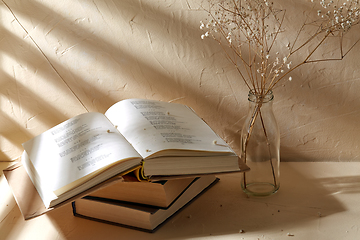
[151, 126]
[76, 148]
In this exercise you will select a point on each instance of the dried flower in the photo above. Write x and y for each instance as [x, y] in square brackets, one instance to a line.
[248, 31]
[251, 30]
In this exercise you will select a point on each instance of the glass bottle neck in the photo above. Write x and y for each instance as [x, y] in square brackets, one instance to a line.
[259, 97]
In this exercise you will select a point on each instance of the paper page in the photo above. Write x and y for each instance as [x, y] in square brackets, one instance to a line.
[75, 149]
[151, 126]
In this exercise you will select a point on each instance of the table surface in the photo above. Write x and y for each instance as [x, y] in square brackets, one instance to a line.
[315, 201]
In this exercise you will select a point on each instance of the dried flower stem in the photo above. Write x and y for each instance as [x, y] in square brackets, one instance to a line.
[269, 149]
[249, 132]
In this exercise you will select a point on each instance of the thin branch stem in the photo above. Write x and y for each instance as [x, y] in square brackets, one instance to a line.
[278, 30]
[269, 149]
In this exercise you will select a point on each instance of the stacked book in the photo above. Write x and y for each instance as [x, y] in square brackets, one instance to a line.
[141, 205]
[135, 165]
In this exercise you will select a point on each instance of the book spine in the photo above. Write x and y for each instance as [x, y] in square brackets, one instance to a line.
[74, 208]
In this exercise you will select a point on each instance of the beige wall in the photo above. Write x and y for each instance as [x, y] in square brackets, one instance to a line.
[106, 51]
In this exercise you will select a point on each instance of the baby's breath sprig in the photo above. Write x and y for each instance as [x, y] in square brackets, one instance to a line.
[248, 30]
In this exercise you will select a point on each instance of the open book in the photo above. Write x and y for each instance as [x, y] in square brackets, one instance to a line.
[160, 138]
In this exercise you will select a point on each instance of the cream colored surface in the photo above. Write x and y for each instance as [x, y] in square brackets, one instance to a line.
[106, 51]
[315, 201]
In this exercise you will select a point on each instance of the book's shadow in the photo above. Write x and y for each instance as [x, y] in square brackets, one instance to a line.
[225, 210]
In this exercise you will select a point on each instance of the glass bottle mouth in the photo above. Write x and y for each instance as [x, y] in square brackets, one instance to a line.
[260, 96]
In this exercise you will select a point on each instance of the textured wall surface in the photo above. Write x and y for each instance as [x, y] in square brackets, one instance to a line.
[62, 58]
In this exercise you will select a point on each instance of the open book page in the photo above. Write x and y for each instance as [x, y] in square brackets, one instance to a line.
[75, 151]
[153, 126]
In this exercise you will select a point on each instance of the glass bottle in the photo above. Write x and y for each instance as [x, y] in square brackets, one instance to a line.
[260, 146]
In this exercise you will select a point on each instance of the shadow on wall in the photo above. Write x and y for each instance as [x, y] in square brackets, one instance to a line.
[317, 110]
[127, 49]
[49, 65]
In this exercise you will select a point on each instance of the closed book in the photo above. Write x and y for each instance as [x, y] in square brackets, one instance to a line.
[142, 217]
[128, 188]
